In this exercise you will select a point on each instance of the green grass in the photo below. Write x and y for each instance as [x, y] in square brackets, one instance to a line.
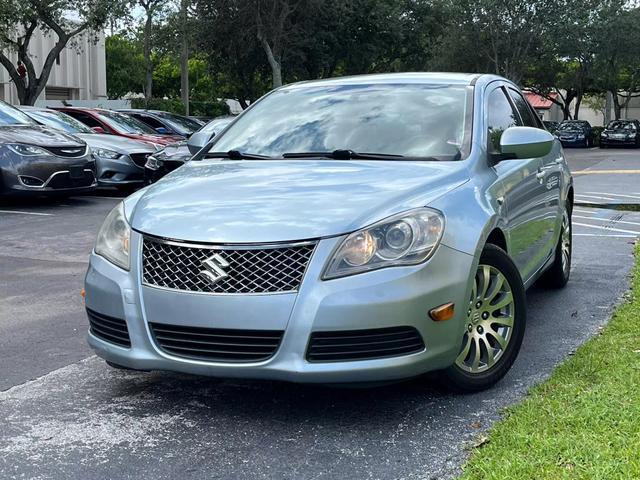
[582, 423]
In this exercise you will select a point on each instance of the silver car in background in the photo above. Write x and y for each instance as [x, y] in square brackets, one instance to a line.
[119, 161]
[356, 229]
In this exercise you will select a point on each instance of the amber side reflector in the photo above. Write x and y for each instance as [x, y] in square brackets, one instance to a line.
[83, 293]
[442, 313]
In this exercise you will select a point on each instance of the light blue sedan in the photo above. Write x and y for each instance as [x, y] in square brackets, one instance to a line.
[358, 229]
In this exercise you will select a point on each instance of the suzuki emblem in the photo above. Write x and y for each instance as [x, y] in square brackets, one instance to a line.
[214, 268]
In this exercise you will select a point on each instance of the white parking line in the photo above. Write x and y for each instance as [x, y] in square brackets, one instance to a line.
[606, 229]
[589, 212]
[598, 197]
[608, 220]
[600, 235]
[614, 195]
[19, 212]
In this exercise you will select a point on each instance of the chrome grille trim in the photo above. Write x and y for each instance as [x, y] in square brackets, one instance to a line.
[253, 268]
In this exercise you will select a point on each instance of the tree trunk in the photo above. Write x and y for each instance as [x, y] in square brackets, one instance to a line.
[276, 69]
[576, 109]
[184, 57]
[148, 89]
[617, 108]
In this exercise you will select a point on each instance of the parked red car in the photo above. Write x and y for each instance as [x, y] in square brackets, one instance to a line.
[116, 123]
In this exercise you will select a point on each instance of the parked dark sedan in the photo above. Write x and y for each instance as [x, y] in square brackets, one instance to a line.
[165, 122]
[621, 132]
[574, 133]
[174, 156]
[39, 160]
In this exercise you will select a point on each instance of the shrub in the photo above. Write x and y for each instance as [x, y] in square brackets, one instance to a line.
[174, 105]
[595, 135]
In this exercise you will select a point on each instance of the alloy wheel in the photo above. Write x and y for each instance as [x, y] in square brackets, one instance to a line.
[490, 318]
[565, 242]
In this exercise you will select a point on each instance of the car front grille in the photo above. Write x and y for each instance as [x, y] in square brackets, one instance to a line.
[250, 269]
[70, 152]
[109, 329]
[348, 345]
[139, 158]
[216, 344]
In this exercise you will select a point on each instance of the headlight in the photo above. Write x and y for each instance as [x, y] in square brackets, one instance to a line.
[408, 238]
[580, 135]
[106, 153]
[113, 238]
[631, 135]
[153, 163]
[604, 134]
[26, 150]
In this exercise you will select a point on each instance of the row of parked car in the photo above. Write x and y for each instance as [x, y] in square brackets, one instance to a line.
[580, 133]
[70, 150]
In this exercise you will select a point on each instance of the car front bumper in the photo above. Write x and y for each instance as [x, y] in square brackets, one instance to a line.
[582, 142]
[47, 175]
[391, 297]
[617, 141]
[119, 171]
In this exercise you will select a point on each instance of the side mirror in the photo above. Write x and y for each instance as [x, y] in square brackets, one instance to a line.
[197, 141]
[162, 131]
[525, 142]
[98, 129]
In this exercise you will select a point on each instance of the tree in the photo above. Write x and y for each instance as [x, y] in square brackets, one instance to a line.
[19, 20]
[184, 53]
[153, 9]
[123, 60]
[236, 60]
[618, 56]
[272, 27]
[496, 36]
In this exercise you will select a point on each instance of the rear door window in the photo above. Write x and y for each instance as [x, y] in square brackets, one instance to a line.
[529, 119]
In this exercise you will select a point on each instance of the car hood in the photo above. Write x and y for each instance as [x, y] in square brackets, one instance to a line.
[177, 152]
[113, 142]
[39, 136]
[618, 130]
[223, 201]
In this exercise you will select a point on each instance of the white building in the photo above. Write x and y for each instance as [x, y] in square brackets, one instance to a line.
[79, 72]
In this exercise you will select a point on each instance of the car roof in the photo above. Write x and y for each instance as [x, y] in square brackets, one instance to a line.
[142, 110]
[84, 109]
[435, 78]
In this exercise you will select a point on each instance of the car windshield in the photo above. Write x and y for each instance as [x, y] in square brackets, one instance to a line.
[216, 125]
[571, 127]
[125, 123]
[59, 121]
[412, 120]
[178, 122]
[618, 125]
[12, 116]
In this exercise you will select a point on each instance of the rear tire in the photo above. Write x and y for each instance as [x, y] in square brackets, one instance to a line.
[495, 325]
[558, 273]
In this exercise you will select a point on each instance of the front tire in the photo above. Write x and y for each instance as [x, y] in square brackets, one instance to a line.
[494, 327]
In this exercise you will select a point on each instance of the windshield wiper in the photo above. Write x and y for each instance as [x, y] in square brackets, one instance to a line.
[236, 155]
[343, 155]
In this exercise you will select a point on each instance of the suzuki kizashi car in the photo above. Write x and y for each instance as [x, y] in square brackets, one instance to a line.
[357, 229]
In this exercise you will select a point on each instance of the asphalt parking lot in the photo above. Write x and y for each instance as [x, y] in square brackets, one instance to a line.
[66, 414]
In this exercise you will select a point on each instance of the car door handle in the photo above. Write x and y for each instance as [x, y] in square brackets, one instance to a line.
[541, 174]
